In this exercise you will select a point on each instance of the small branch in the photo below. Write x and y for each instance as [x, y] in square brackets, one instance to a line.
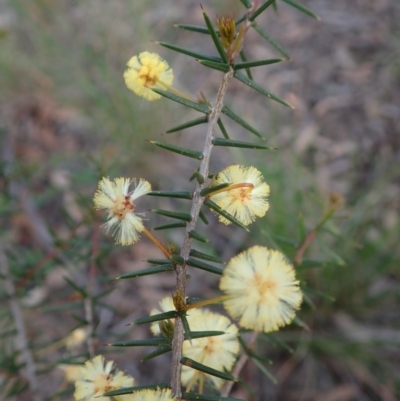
[21, 337]
[298, 258]
[88, 302]
[197, 202]
[239, 365]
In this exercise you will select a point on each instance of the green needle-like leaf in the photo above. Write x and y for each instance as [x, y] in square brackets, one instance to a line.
[177, 149]
[215, 38]
[188, 52]
[76, 287]
[239, 144]
[318, 293]
[130, 390]
[147, 271]
[157, 352]
[241, 77]
[264, 369]
[258, 63]
[177, 259]
[297, 321]
[202, 334]
[173, 194]
[203, 397]
[205, 256]
[174, 215]
[195, 28]
[169, 226]
[156, 318]
[273, 42]
[246, 3]
[206, 369]
[223, 129]
[188, 124]
[229, 113]
[159, 261]
[244, 59]
[186, 327]
[203, 218]
[275, 338]
[204, 266]
[214, 65]
[302, 8]
[202, 108]
[150, 342]
[210, 190]
[261, 10]
[199, 237]
[228, 216]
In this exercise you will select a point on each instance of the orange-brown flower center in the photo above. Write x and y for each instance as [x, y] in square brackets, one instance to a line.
[149, 79]
[103, 384]
[122, 207]
[211, 345]
[264, 285]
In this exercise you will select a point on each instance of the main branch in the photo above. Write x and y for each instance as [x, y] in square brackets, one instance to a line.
[197, 203]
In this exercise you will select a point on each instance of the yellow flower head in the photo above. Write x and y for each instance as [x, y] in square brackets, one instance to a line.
[217, 352]
[76, 338]
[245, 198]
[262, 289]
[149, 395]
[97, 378]
[166, 305]
[116, 198]
[72, 372]
[146, 71]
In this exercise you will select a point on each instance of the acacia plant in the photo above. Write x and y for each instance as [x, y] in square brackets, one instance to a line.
[259, 288]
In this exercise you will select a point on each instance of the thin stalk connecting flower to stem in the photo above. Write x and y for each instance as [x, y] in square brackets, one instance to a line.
[156, 242]
[247, 185]
[197, 202]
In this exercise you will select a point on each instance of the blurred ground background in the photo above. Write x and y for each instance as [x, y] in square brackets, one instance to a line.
[67, 119]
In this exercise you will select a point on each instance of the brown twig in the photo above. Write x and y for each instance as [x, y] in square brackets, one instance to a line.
[21, 337]
[239, 365]
[197, 202]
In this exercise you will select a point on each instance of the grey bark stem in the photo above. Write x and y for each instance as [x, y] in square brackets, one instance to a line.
[21, 338]
[197, 202]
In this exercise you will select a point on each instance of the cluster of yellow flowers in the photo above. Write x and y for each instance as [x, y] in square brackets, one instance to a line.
[217, 352]
[245, 199]
[259, 285]
[98, 377]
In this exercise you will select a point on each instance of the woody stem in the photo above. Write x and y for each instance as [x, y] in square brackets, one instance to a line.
[197, 202]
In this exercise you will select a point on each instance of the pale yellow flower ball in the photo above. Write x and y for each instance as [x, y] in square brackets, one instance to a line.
[246, 202]
[98, 377]
[217, 352]
[166, 305]
[115, 197]
[146, 71]
[263, 293]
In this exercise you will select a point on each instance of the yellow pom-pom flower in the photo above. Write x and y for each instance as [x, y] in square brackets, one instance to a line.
[98, 377]
[115, 197]
[261, 289]
[166, 305]
[146, 71]
[149, 395]
[245, 198]
[217, 352]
